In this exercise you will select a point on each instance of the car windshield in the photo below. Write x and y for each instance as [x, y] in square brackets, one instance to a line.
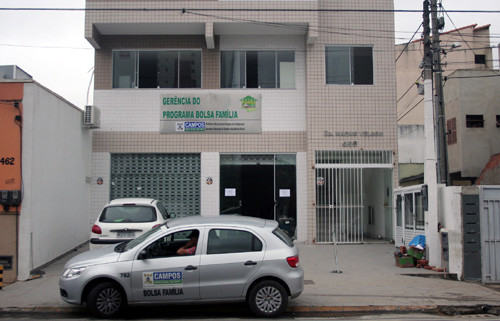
[137, 241]
[128, 214]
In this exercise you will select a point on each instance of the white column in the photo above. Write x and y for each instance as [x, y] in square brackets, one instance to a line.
[430, 178]
[210, 184]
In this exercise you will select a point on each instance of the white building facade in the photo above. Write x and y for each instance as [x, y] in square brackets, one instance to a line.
[284, 110]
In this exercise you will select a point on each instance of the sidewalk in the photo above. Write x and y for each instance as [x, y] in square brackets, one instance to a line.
[369, 282]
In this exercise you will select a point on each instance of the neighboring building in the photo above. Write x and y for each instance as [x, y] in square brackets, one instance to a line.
[471, 95]
[44, 165]
[472, 112]
[284, 110]
[464, 48]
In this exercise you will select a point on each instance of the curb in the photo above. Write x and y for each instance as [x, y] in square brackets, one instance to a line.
[356, 310]
[310, 310]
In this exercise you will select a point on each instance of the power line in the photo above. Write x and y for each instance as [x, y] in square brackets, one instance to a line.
[409, 42]
[182, 10]
[411, 86]
[421, 100]
[44, 47]
[472, 77]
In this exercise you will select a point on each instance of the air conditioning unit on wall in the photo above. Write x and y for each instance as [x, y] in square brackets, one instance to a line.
[92, 117]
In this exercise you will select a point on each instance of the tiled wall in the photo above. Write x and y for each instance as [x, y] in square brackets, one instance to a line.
[149, 142]
[353, 108]
[101, 168]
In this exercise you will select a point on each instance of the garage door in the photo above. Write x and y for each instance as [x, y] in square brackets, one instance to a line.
[172, 178]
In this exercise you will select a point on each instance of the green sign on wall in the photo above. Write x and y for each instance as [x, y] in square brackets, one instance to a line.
[211, 113]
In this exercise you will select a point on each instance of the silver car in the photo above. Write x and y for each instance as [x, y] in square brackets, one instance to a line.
[190, 259]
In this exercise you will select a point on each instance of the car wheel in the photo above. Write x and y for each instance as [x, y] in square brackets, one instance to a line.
[268, 299]
[106, 300]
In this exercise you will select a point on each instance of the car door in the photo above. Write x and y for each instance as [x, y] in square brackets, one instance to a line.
[232, 257]
[159, 274]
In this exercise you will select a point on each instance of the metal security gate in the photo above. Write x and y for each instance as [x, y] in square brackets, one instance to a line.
[339, 205]
[172, 178]
[341, 193]
[490, 233]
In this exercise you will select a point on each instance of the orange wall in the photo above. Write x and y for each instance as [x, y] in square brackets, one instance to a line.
[10, 138]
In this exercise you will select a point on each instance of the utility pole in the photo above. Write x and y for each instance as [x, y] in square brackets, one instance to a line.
[430, 168]
[442, 152]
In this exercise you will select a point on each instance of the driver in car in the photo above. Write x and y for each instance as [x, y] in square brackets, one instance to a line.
[190, 247]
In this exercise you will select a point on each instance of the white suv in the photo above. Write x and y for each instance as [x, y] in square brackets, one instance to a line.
[126, 218]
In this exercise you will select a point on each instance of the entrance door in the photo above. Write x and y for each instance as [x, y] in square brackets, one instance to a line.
[260, 186]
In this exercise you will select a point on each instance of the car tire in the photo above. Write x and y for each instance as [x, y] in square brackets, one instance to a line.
[106, 300]
[267, 299]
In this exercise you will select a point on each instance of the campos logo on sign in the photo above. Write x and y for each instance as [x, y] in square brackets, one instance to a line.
[196, 126]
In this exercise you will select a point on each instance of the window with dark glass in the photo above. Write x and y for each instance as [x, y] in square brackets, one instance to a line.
[474, 121]
[498, 121]
[419, 212]
[257, 69]
[349, 65]
[480, 59]
[409, 211]
[157, 69]
[222, 241]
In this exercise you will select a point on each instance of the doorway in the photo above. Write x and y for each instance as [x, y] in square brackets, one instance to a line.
[353, 198]
[260, 185]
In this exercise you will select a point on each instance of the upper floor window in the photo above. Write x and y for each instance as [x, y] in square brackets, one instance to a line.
[157, 69]
[257, 69]
[480, 59]
[474, 121]
[349, 65]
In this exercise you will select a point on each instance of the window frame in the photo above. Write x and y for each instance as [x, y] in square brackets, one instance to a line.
[277, 81]
[474, 121]
[136, 77]
[352, 67]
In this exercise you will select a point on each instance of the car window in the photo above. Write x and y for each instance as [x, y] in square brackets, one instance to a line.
[128, 214]
[232, 241]
[162, 209]
[168, 245]
[283, 236]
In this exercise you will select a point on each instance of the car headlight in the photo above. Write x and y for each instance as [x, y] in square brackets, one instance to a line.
[73, 273]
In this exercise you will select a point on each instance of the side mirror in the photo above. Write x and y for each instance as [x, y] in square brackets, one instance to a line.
[142, 255]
